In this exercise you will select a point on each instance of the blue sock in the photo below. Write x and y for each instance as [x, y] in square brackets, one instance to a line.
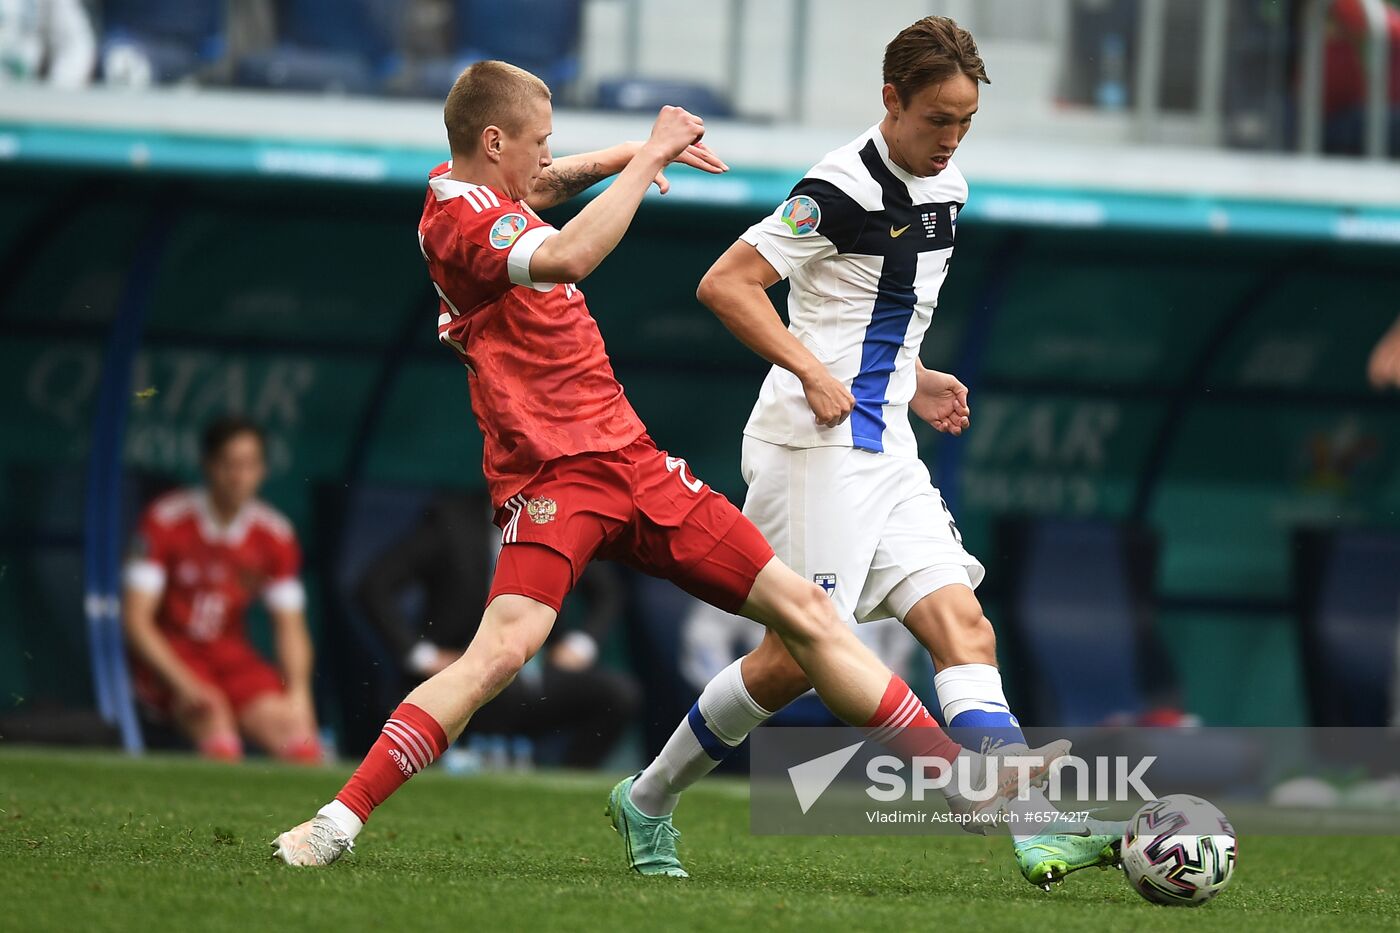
[984, 730]
[975, 707]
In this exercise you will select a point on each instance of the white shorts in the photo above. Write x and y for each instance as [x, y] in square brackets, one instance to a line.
[869, 528]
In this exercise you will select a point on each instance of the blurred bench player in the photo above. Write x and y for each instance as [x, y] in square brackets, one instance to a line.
[200, 558]
[835, 481]
[567, 461]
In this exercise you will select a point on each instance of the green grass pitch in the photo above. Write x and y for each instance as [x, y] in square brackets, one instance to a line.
[101, 842]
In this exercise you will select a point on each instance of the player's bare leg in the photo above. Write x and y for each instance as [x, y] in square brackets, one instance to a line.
[512, 629]
[278, 725]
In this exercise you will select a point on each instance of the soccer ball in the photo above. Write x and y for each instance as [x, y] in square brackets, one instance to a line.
[1179, 851]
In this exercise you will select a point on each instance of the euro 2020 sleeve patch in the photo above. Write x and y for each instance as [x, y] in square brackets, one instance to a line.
[801, 215]
[507, 229]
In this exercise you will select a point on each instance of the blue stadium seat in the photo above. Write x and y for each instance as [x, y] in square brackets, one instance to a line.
[647, 95]
[541, 36]
[177, 37]
[1079, 594]
[346, 46]
[1348, 593]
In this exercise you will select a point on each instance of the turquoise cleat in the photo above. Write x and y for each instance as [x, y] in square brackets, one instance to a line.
[1047, 858]
[650, 840]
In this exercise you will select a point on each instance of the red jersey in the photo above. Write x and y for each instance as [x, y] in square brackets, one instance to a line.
[209, 573]
[541, 384]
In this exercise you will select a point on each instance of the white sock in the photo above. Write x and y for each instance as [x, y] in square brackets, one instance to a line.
[972, 695]
[343, 817]
[718, 722]
[969, 687]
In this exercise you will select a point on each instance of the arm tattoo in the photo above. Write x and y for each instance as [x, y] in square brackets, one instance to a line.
[565, 183]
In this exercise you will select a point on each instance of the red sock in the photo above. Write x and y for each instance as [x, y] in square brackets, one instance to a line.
[903, 725]
[411, 741]
[305, 751]
[223, 746]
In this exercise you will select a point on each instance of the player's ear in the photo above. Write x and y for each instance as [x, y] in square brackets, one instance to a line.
[491, 140]
[891, 99]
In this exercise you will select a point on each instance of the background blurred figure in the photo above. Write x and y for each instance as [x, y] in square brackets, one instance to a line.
[200, 557]
[1345, 80]
[563, 694]
[46, 40]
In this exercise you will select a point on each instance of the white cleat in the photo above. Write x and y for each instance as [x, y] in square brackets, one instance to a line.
[314, 844]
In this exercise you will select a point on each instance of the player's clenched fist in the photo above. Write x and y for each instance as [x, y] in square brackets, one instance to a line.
[675, 130]
[831, 401]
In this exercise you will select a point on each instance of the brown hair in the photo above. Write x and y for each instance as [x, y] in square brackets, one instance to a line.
[219, 432]
[930, 52]
[488, 94]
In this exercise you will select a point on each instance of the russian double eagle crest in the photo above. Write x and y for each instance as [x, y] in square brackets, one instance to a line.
[541, 511]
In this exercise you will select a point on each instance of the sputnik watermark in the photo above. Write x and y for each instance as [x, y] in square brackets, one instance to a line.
[977, 780]
[1114, 779]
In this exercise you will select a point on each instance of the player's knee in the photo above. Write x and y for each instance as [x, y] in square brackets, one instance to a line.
[810, 617]
[504, 659]
[510, 634]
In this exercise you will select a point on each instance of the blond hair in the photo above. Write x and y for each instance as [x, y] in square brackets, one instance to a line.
[486, 94]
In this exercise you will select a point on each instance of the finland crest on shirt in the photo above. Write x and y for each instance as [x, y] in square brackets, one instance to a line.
[865, 246]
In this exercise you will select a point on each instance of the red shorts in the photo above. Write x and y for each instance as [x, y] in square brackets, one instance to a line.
[636, 506]
[230, 664]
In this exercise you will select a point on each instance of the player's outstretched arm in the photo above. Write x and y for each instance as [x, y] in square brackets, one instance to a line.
[571, 175]
[736, 290]
[585, 241]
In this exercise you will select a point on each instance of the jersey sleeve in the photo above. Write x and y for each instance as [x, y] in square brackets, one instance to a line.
[817, 220]
[284, 591]
[489, 247]
[148, 556]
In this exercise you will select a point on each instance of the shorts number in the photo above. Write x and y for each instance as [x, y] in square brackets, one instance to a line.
[952, 525]
[677, 465]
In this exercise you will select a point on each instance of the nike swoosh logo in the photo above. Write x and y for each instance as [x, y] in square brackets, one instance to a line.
[899, 232]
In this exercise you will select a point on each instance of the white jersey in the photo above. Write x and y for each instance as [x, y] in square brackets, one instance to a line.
[865, 246]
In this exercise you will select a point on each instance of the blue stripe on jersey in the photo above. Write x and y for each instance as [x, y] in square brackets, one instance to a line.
[884, 337]
[710, 742]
